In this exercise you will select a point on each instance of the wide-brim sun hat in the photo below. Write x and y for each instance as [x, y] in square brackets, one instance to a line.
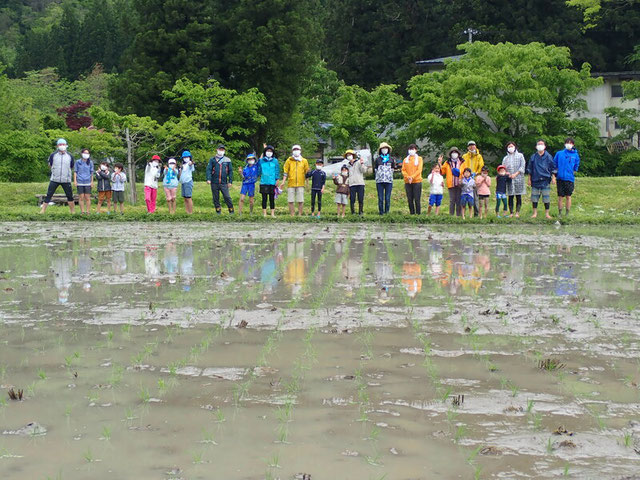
[454, 149]
[384, 145]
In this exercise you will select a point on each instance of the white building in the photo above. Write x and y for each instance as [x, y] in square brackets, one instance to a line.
[607, 95]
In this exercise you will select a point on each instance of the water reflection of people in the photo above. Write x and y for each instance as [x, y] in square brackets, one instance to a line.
[84, 265]
[171, 261]
[295, 272]
[61, 267]
[151, 267]
[186, 267]
[412, 278]
[468, 272]
[269, 272]
[119, 262]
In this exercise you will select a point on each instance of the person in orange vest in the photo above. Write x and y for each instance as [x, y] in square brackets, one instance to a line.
[412, 173]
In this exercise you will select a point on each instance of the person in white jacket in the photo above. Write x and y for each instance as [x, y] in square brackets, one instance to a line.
[151, 176]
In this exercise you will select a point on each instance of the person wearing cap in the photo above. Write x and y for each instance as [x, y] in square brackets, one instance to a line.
[249, 176]
[294, 173]
[170, 184]
[151, 176]
[452, 171]
[356, 181]
[269, 173]
[502, 180]
[186, 181]
[473, 159]
[61, 165]
[542, 172]
[318, 179]
[383, 167]
[220, 176]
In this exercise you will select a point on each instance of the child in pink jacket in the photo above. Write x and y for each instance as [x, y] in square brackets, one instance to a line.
[483, 184]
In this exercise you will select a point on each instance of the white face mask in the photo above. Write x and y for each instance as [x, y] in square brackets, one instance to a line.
[568, 146]
[472, 149]
[186, 159]
[62, 148]
[220, 153]
[454, 156]
[412, 152]
[251, 162]
[384, 151]
[172, 165]
[540, 148]
[296, 154]
[511, 149]
[85, 156]
[349, 157]
[103, 167]
[268, 154]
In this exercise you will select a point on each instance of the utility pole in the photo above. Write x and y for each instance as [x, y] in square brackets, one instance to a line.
[471, 32]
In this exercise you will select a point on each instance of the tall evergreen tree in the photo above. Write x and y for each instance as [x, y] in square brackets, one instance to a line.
[173, 39]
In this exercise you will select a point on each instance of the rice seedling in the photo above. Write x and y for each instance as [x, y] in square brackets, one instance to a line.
[144, 395]
[106, 434]
[627, 439]
[88, 456]
[274, 461]
[207, 437]
[42, 374]
[461, 432]
[530, 404]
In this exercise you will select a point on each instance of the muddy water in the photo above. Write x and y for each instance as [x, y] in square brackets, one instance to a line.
[166, 351]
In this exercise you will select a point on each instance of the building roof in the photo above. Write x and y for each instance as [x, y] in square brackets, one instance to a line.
[438, 61]
[631, 75]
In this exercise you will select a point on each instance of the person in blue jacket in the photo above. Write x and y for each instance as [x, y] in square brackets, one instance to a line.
[542, 172]
[249, 176]
[269, 173]
[567, 163]
[220, 176]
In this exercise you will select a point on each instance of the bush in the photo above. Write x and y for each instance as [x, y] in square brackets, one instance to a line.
[629, 163]
[23, 156]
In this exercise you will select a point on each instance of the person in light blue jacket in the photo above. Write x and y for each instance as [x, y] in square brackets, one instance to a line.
[186, 180]
[567, 163]
[269, 173]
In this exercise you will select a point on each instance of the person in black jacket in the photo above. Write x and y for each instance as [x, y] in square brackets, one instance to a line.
[318, 178]
[104, 186]
[219, 177]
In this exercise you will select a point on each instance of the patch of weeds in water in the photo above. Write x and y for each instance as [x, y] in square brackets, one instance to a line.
[42, 375]
[627, 439]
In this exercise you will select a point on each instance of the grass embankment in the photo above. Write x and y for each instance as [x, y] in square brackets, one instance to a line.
[602, 200]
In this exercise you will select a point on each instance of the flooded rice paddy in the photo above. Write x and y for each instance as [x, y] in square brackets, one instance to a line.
[313, 352]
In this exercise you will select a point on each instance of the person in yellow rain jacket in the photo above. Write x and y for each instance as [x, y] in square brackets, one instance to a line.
[473, 160]
[412, 173]
[412, 278]
[294, 172]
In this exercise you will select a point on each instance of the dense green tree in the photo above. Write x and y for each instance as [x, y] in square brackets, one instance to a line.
[272, 45]
[174, 39]
[504, 92]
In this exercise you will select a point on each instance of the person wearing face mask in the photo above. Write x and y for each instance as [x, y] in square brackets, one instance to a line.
[83, 180]
[383, 167]
[356, 181]
[269, 173]
[567, 163]
[412, 173]
[104, 186]
[220, 176]
[186, 181]
[170, 184]
[473, 159]
[452, 170]
[61, 164]
[249, 176]
[295, 173]
[514, 162]
[151, 176]
[542, 171]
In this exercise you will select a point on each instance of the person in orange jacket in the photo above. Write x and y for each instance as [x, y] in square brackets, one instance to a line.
[412, 173]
